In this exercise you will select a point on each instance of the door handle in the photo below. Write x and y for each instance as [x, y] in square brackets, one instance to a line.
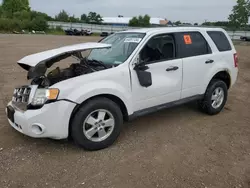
[209, 61]
[172, 68]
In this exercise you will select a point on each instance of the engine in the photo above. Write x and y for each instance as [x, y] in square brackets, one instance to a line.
[58, 75]
[74, 70]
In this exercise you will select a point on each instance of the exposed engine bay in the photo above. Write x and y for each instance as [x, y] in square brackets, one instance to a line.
[110, 52]
[37, 64]
[75, 69]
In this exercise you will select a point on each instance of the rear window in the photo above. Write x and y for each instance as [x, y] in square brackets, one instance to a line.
[192, 44]
[220, 40]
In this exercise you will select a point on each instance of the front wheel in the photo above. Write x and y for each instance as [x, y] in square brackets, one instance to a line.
[97, 124]
[215, 97]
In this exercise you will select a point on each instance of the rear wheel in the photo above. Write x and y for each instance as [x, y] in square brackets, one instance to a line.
[215, 97]
[97, 124]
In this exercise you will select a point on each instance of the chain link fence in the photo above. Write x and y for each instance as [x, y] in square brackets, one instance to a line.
[95, 28]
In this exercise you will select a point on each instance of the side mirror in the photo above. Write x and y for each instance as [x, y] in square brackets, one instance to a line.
[144, 76]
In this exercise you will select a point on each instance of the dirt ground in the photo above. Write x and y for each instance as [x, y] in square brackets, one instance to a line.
[178, 147]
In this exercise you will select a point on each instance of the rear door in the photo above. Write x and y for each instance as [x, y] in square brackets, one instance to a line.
[197, 61]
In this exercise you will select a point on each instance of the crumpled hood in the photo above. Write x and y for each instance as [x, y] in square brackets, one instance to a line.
[38, 63]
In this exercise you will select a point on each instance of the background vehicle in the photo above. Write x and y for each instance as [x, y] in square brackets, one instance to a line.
[76, 32]
[126, 75]
[104, 34]
[245, 38]
[87, 32]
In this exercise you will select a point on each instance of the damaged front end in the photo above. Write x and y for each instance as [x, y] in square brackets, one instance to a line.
[37, 64]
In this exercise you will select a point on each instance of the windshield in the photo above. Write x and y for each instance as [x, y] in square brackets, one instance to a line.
[123, 44]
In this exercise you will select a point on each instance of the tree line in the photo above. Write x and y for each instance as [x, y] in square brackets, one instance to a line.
[17, 15]
[91, 17]
[238, 19]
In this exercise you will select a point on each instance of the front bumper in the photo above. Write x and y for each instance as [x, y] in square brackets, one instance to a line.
[51, 121]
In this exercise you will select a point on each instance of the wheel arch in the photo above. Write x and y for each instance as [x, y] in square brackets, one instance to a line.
[111, 97]
[223, 75]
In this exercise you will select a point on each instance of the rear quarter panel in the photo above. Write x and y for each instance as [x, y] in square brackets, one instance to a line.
[224, 61]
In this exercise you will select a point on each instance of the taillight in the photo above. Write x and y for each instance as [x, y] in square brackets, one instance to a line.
[236, 60]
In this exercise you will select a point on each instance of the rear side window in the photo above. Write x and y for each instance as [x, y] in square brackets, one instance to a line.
[220, 40]
[192, 44]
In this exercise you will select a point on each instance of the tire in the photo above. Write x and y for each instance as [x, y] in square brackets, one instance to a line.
[207, 105]
[81, 130]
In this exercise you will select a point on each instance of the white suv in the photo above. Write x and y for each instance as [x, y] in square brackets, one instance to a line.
[126, 75]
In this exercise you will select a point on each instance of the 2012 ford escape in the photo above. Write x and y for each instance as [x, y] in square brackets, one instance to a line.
[126, 75]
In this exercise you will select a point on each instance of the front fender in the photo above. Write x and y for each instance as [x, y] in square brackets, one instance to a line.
[94, 88]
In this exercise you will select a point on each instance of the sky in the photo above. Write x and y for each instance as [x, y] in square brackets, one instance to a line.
[184, 10]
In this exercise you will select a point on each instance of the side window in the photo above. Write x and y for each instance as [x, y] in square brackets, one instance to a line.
[220, 40]
[192, 44]
[158, 48]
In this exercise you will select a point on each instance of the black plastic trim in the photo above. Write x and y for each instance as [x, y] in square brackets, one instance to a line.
[31, 107]
[52, 101]
[163, 106]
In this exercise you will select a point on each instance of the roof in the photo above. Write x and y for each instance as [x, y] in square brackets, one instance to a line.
[125, 20]
[169, 29]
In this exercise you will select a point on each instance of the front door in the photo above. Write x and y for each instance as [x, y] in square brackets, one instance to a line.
[158, 58]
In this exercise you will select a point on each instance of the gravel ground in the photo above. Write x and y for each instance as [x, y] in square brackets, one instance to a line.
[177, 147]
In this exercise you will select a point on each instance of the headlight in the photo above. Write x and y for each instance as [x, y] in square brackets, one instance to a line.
[44, 95]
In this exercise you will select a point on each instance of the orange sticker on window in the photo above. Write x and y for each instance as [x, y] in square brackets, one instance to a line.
[187, 39]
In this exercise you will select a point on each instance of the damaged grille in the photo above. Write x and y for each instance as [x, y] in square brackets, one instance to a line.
[21, 97]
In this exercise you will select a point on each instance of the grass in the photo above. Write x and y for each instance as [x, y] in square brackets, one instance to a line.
[50, 32]
[55, 32]
[5, 32]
